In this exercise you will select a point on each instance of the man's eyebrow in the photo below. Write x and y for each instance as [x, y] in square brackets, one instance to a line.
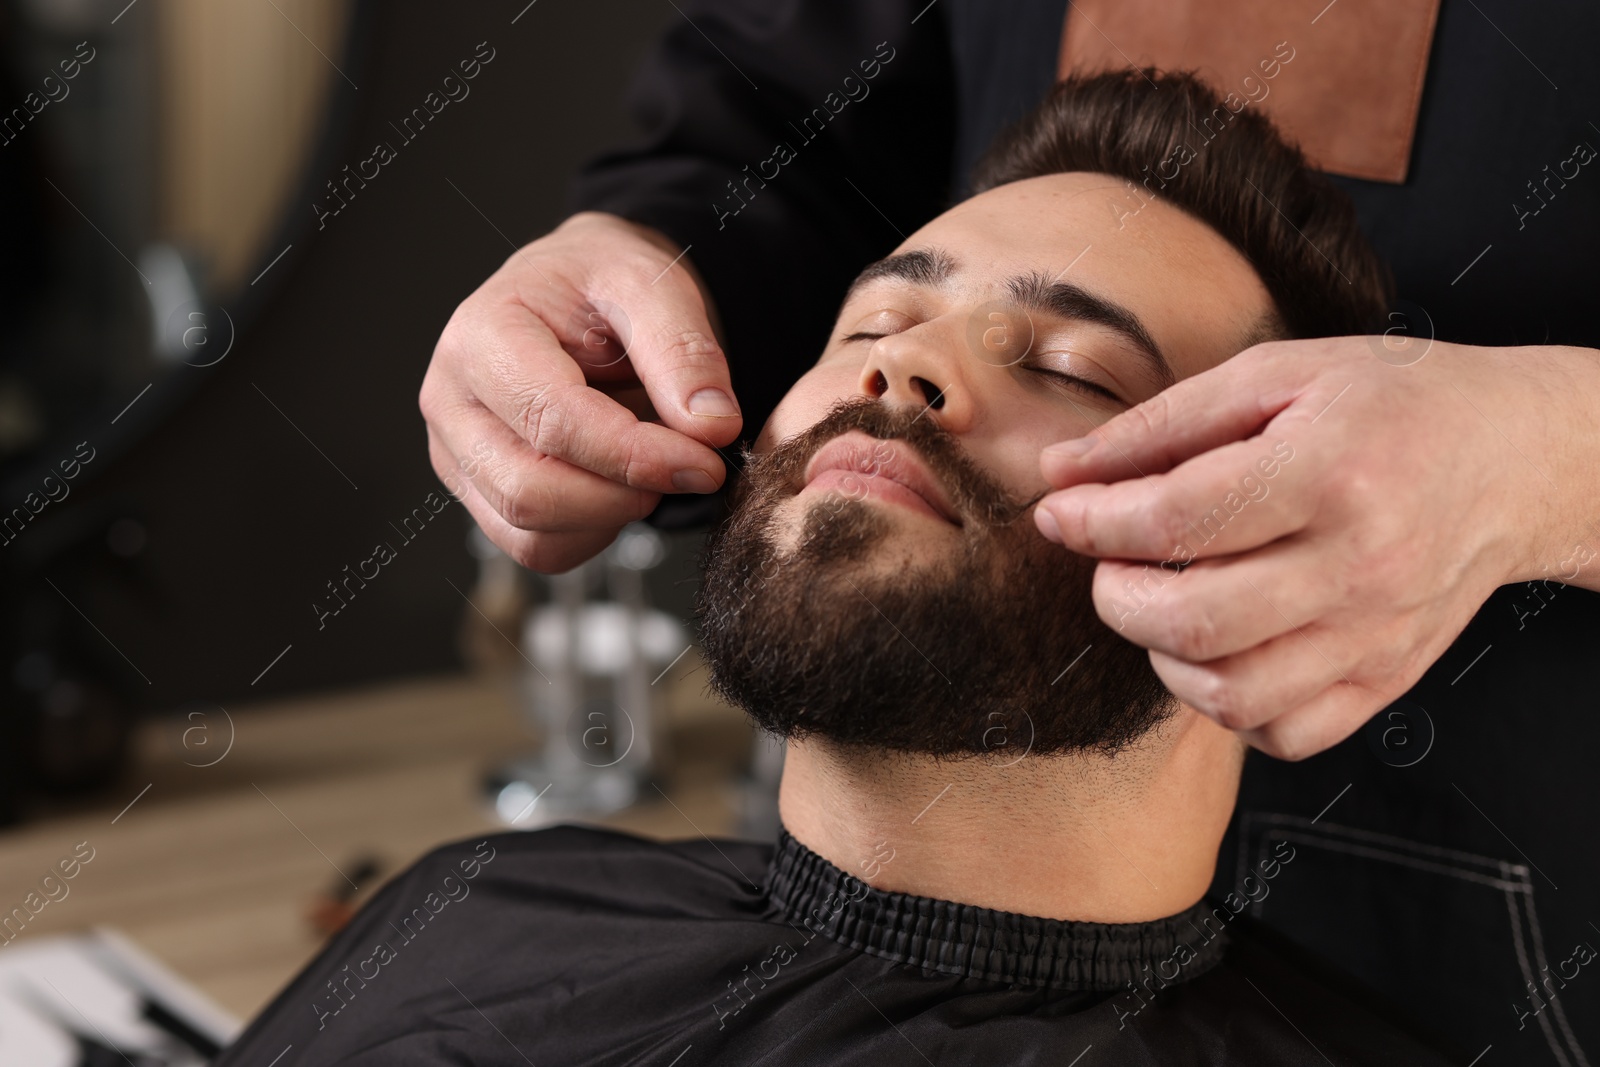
[1037, 292]
[930, 267]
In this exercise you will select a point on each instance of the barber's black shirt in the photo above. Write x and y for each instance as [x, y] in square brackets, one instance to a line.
[1448, 853]
[583, 947]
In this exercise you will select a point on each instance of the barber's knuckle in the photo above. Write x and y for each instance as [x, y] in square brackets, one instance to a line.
[1285, 743]
[641, 465]
[1191, 628]
[1354, 487]
[542, 554]
[1171, 528]
[540, 420]
[536, 503]
[536, 555]
[429, 400]
[688, 349]
[1222, 699]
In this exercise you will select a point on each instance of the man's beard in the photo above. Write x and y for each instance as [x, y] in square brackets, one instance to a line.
[993, 650]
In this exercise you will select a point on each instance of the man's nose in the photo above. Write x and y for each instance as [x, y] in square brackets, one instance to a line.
[923, 368]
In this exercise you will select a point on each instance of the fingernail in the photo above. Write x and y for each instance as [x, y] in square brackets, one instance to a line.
[1047, 525]
[712, 402]
[1076, 448]
[694, 480]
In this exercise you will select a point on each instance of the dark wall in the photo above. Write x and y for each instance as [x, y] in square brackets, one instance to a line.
[247, 516]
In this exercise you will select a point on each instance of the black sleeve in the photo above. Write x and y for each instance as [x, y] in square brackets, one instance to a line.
[787, 144]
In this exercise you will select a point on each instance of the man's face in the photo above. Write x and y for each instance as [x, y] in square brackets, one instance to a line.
[881, 581]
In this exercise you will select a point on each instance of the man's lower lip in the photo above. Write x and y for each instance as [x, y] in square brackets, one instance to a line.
[857, 485]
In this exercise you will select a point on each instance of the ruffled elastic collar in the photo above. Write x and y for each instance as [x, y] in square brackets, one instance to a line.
[966, 941]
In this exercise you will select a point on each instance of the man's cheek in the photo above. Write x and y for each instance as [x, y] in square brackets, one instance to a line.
[807, 402]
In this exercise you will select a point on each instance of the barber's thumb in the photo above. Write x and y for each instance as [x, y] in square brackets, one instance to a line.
[689, 385]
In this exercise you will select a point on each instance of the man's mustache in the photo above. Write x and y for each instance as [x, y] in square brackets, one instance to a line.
[973, 492]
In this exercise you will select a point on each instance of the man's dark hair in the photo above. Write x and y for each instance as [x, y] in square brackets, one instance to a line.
[1175, 138]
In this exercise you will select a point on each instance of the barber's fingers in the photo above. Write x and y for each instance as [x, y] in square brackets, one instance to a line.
[530, 491]
[1251, 688]
[524, 377]
[1216, 607]
[544, 552]
[1231, 401]
[1235, 497]
[672, 349]
[1319, 723]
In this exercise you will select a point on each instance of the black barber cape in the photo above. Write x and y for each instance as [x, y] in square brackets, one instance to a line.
[1447, 851]
[568, 947]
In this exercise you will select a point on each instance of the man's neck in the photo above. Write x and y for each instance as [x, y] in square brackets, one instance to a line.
[1126, 839]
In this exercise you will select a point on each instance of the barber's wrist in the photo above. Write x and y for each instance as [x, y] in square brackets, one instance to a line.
[1554, 422]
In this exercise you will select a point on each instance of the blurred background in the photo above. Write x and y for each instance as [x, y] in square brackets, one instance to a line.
[219, 300]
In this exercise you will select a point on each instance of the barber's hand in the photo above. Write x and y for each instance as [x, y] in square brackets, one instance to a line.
[542, 388]
[1347, 517]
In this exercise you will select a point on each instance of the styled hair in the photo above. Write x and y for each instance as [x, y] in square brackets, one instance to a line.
[1172, 137]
